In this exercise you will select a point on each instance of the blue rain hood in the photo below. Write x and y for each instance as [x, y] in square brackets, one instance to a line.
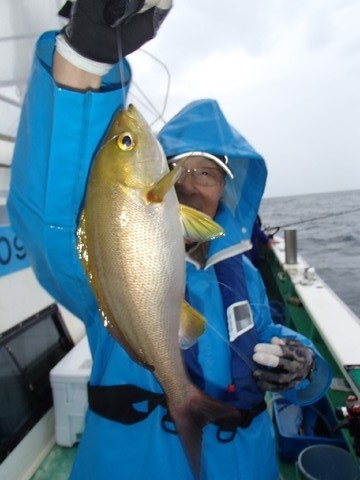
[202, 126]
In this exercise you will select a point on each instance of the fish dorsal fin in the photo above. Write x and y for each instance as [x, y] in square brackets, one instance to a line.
[158, 191]
[197, 226]
[192, 325]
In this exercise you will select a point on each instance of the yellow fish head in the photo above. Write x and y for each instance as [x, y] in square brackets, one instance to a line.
[130, 154]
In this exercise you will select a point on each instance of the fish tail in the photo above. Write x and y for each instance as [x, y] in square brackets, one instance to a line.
[190, 419]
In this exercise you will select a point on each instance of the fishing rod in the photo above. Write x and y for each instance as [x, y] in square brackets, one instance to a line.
[274, 230]
[322, 217]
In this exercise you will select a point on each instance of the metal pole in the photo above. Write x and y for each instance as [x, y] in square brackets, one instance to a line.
[290, 247]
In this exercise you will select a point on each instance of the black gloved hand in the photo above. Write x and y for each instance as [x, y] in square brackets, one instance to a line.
[288, 362]
[99, 28]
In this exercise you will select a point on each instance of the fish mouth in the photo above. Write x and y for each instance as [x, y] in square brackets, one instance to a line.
[136, 117]
[133, 112]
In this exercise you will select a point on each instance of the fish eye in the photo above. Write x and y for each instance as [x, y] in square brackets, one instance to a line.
[125, 141]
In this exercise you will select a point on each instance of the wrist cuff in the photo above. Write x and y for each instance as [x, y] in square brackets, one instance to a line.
[73, 57]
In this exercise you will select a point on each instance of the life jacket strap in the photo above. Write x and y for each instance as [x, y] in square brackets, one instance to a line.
[116, 402]
[227, 428]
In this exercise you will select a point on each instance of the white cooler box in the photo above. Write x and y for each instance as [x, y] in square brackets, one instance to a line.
[69, 380]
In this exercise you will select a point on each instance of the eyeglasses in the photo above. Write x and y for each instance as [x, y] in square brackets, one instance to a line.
[204, 176]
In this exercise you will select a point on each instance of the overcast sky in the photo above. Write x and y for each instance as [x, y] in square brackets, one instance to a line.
[286, 73]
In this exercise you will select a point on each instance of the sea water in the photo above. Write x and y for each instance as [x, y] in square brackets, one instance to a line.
[328, 236]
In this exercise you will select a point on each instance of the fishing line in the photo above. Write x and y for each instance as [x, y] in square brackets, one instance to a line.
[248, 361]
[230, 193]
[121, 63]
[150, 107]
[230, 186]
[330, 215]
[140, 101]
[159, 115]
[221, 132]
[167, 90]
[122, 69]
[245, 358]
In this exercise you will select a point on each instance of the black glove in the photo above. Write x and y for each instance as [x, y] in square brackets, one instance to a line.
[98, 29]
[288, 362]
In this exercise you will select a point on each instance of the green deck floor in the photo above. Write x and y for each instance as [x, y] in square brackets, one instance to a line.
[56, 465]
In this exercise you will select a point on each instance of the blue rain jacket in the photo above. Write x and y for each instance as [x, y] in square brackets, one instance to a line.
[58, 134]
[202, 126]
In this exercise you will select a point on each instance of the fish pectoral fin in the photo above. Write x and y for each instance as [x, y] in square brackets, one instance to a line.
[192, 326]
[158, 191]
[197, 226]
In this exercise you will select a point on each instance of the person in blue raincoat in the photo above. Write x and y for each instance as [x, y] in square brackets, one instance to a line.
[71, 98]
[258, 238]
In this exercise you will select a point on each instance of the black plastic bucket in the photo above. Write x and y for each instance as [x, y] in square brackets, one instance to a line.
[326, 462]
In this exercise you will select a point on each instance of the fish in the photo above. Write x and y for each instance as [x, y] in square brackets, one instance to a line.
[131, 245]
